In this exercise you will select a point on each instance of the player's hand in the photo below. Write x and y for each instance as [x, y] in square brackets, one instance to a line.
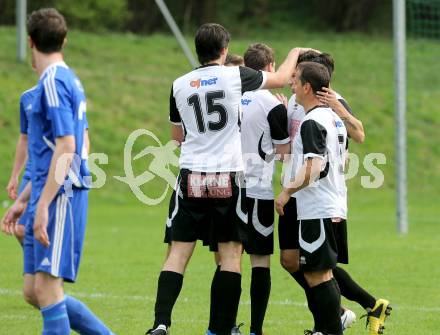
[328, 97]
[12, 188]
[5, 224]
[11, 217]
[40, 225]
[281, 201]
[282, 98]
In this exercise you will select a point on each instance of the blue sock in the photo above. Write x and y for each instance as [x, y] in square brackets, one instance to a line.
[55, 319]
[82, 319]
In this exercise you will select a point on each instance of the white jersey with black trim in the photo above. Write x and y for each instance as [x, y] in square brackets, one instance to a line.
[264, 124]
[206, 101]
[295, 115]
[322, 134]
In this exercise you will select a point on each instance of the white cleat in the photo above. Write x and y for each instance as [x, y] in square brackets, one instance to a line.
[348, 318]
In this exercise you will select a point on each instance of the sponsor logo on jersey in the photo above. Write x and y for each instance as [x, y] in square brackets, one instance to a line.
[339, 124]
[203, 82]
[245, 102]
[29, 107]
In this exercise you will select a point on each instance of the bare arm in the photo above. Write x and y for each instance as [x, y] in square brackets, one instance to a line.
[177, 133]
[19, 161]
[281, 150]
[355, 129]
[87, 140]
[285, 71]
[307, 173]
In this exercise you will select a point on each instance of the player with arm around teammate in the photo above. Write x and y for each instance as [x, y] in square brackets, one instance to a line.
[318, 181]
[264, 136]
[204, 111]
[377, 309]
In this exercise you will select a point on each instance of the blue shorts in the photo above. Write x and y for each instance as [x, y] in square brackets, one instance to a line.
[66, 229]
[25, 216]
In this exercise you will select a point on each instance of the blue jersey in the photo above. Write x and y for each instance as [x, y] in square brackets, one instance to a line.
[59, 111]
[26, 103]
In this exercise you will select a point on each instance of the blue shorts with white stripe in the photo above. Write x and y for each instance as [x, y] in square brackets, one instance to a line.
[66, 229]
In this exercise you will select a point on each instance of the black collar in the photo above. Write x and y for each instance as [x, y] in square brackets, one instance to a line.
[206, 65]
[317, 106]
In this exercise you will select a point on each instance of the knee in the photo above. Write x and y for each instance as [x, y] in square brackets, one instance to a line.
[231, 266]
[38, 290]
[30, 296]
[290, 264]
[262, 261]
[318, 277]
[231, 262]
[176, 261]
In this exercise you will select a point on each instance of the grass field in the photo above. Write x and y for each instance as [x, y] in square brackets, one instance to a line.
[128, 78]
[123, 256]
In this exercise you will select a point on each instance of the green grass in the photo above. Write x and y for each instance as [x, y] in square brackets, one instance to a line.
[128, 78]
[123, 256]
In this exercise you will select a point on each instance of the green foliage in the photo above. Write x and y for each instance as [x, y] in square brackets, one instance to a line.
[143, 16]
[95, 15]
[88, 15]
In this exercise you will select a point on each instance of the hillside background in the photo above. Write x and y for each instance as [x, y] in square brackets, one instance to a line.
[127, 61]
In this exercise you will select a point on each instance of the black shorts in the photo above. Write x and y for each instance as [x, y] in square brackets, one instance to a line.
[208, 207]
[288, 226]
[258, 232]
[323, 244]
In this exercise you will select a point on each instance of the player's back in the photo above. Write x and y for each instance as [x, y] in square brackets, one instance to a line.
[208, 101]
[264, 124]
[59, 111]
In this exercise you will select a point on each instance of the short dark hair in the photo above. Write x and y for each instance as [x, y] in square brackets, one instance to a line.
[326, 60]
[315, 74]
[258, 55]
[321, 58]
[307, 56]
[210, 39]
[47, 28]
[232, 59]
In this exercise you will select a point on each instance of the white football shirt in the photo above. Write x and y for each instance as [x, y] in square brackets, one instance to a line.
[322, 134]
[295, 115]
[264, 124]
[206, 101]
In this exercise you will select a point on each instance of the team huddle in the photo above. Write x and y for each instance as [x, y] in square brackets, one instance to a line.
[232, 131]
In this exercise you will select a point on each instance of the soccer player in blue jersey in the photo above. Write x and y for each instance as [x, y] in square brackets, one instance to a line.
[57, 196]
[15, 188]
